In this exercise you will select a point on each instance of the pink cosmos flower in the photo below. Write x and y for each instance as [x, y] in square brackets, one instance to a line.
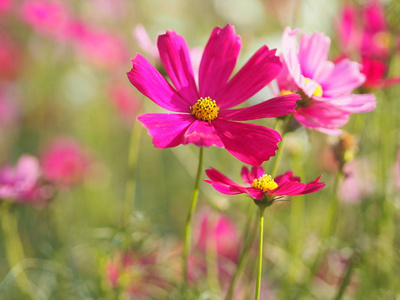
[48, 17]
[99, 47]
[10, 57]
[219, 232]
[64, 162]
[125, 102]
[326, 87]
[20, 184]
[259, 185]
[5, 6]
[204, 116]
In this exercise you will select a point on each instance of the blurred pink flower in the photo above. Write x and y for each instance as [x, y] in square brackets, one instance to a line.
[326, 87]
[220, 233]
[20, 184]
[64, 162]
[125, 102]
[10, 57]
[99, 47]
[364, 33]
[136, 275]
[48, 17]
[205, 116]
[357, 183]
[5, 6]
[259, 185]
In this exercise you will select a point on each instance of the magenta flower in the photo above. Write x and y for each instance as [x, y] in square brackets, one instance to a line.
[326, 87]
[65, 162]
[125, 102]
[262, 186]
[20, 184]
[49, 18]
[204, 115]
[220, 233]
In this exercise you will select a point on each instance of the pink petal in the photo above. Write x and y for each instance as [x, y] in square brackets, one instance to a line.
[289, 54]
[275, 107]
[313, 186]
[223, 184]
[167, 130]
[289, 188]
[356, 103]
[202, 133]
[218, 61]
[250, 143]
[154, 86]
[143, 40]
[313, 53]
[258, 72]
[174, 54]
[248, 177]
[217, 176]
[225, 189]
[255, 193]
[343, 79]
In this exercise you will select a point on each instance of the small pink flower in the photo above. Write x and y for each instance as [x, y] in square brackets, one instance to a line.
[259, 185]
[219, 232]
[10, 57]
[204, 115]
[20, 184]
[64, 162]
[5, 6]
[99, 47]
[125, 102]
[326, 87]
[48, 17]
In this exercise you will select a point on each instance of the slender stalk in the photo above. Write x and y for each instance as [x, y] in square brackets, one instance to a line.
[188, 227]
[346, 279]
[260, 253]
[130, 187]
[14, 249]
[250, 234]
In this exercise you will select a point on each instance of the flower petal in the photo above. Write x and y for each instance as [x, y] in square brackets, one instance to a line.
[343, 79]
[167, 130]
[275, 107]
[250, 143]
[313, 186]
[223, 184]
[313, 53]
[219, 60]
[174, 54]
[202, 133]
[354, 103]
[289, 54]
[259, 71]
[248, 177]
[154, 86]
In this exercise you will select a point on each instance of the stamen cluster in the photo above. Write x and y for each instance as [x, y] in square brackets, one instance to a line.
[264, 183]
[205, 109]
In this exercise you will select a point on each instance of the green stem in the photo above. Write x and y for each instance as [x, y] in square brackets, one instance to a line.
[260, 253]
[130, 187]
[188, 227]
[14, 249]
[346, 280]
[250, 234]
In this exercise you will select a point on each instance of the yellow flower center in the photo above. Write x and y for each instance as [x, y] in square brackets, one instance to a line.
[205, 109]
[318, 90]
[286, 92]
[264, 183]
[383, 39]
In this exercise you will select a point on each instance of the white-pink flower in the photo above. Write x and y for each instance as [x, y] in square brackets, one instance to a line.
[326, 87]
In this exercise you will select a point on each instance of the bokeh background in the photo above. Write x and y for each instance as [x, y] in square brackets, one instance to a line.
[63, 81]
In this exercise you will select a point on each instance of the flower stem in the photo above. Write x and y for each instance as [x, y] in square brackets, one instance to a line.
[260, 253]
[14, 249]
[188, 228]
[250, 234]
[130, 187]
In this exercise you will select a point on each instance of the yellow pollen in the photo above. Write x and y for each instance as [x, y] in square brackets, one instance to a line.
[318, 90]
[383, 39]
[205, 109]
[286, 92]
[264, 183]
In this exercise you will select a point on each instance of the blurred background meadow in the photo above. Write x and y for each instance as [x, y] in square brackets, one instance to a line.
[107, 221]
